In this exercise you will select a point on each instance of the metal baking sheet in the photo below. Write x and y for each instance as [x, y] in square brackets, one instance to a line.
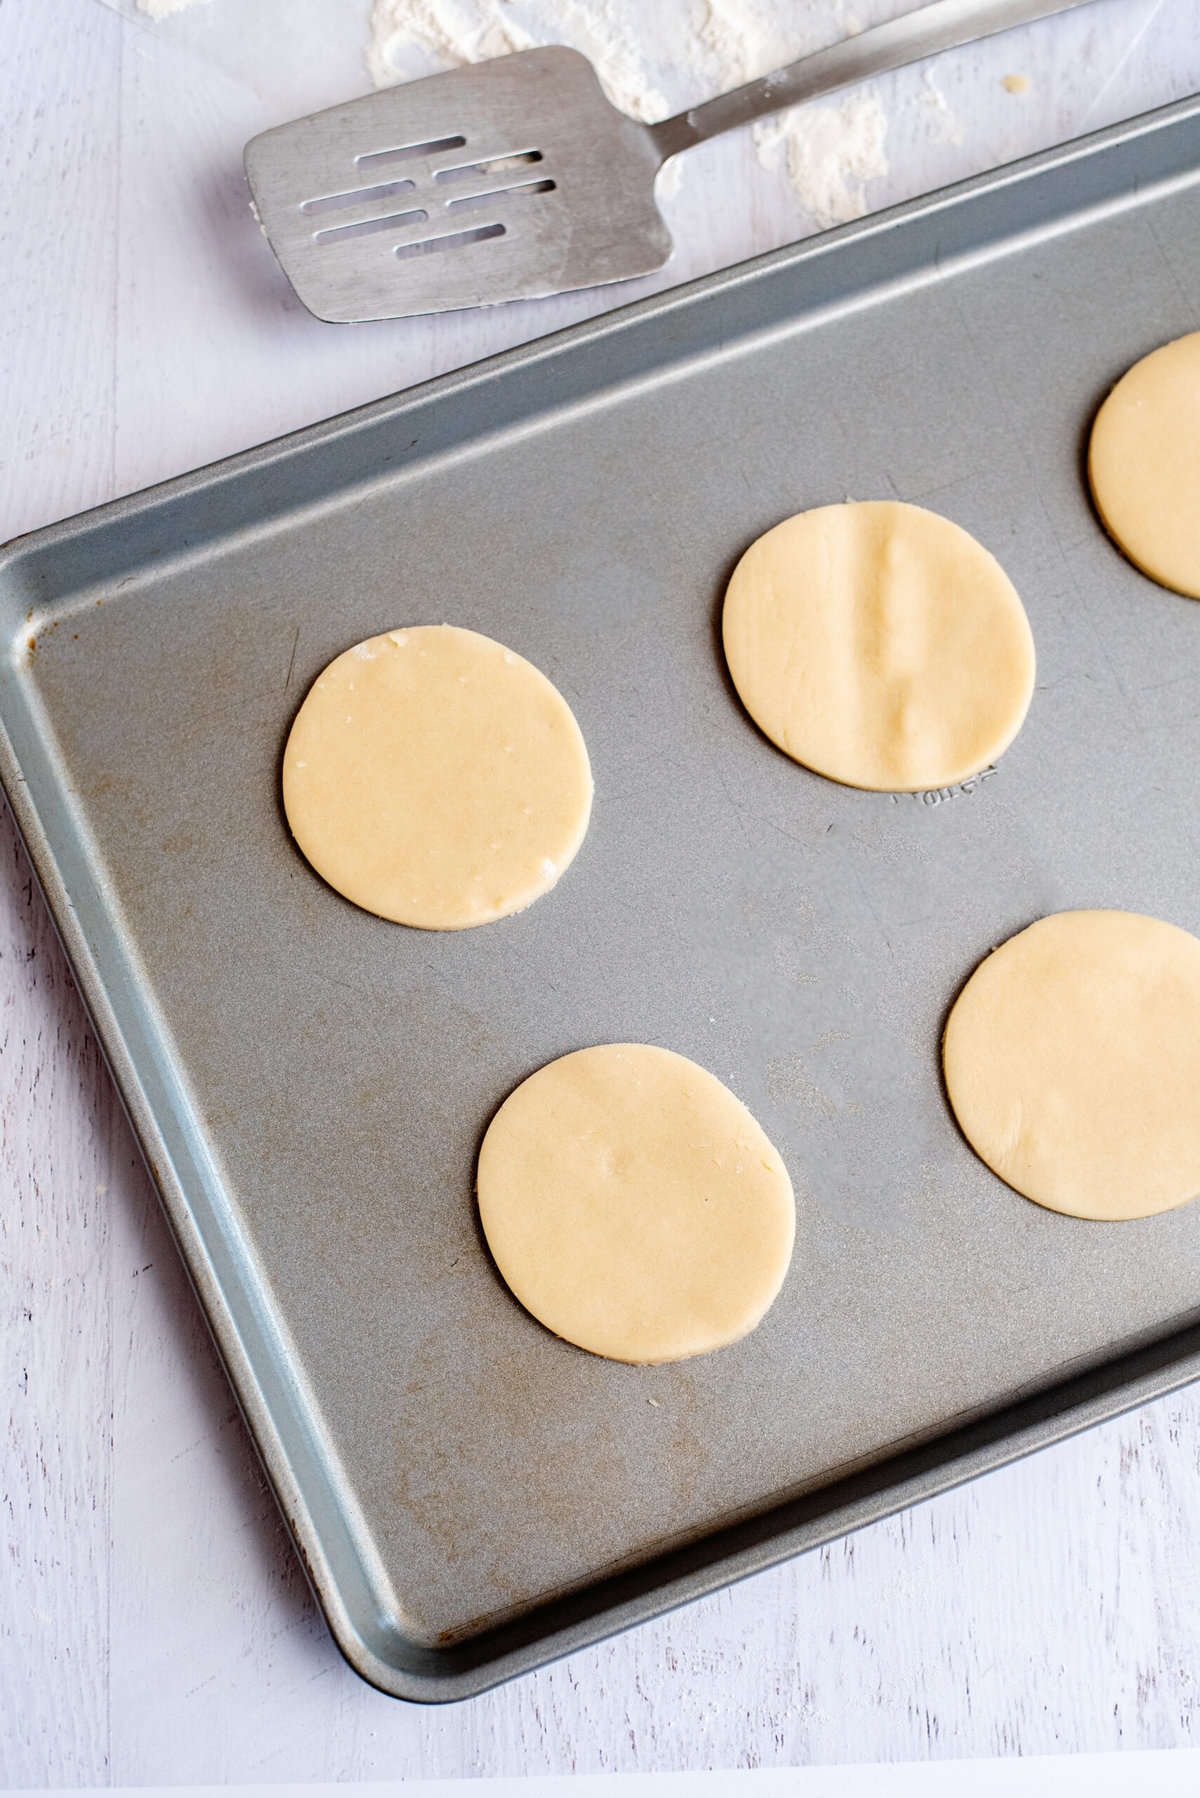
[470, 1495]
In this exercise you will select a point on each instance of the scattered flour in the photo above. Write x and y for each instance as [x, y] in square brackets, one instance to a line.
[830, 153]
[944, 125]
[742, 39]
[449, 32]
[652, 62]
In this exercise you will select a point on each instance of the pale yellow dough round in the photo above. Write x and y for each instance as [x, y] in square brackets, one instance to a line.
[879, 644]
[1144, 464]
[1072, 1060]
[436, 778]
[634, 1206]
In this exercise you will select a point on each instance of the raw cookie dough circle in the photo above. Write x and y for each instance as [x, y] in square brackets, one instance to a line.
[434, 777]
[1144, 464]
[1072, 1061]
[880, 645]
[634, 1206]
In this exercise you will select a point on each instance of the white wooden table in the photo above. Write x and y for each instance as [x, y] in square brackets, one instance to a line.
[154, 1625]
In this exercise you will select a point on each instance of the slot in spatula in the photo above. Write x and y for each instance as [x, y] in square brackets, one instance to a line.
[516, 178]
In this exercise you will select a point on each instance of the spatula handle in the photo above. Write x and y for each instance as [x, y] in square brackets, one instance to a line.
[942, 25]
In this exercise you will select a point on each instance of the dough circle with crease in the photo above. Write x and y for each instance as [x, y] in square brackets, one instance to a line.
[880, 645]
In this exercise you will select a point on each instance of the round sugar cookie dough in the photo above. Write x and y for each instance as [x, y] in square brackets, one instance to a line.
[1072, 1060]
[634, 1206]
[1144, 464]
[880, 645]
[434, 777]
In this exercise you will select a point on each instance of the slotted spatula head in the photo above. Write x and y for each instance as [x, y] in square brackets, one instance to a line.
[504, 180]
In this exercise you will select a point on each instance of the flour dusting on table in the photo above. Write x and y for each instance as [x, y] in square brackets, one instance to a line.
[829, 155]
[654, 62]
[944, 125]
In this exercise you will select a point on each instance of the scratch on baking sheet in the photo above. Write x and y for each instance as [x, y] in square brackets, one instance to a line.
[1132, 717]
[347, 986]
[356, 992]
[1172, 271]
[875, 918]
[739, 812]
[292, 660]
[791, 835]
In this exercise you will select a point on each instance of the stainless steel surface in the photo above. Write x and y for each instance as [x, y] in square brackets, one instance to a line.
[470, 1495]
[516, 178]
[926, 31]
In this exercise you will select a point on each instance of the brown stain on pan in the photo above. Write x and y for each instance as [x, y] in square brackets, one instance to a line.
[524, 1439]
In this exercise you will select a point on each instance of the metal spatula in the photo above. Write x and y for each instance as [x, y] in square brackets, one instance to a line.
[516, 178]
